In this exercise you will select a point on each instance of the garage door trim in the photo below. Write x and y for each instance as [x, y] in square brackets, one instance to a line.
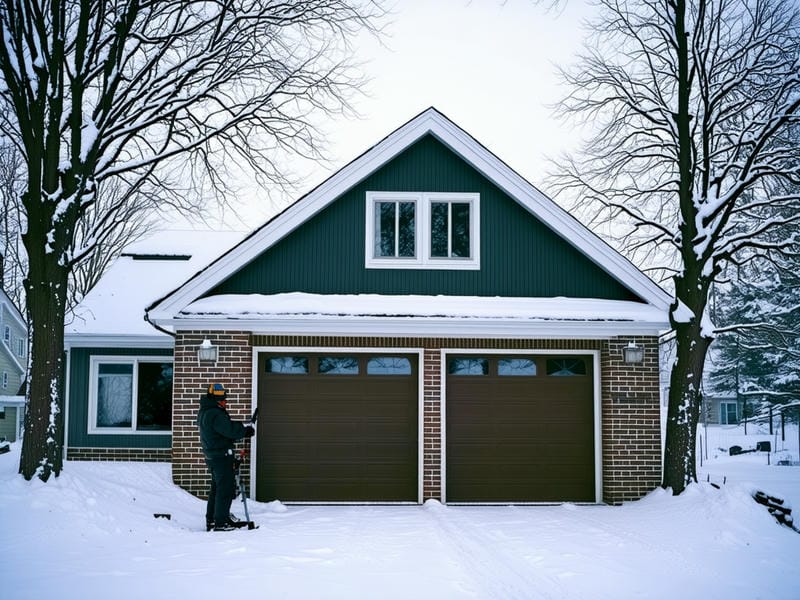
[596, 407]
[419, 352]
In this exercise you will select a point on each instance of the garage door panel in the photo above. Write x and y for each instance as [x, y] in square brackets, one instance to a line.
[521, 438]
[337, 438]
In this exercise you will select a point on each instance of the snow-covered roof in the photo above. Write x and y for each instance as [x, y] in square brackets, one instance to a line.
[363, 314]
[146, 270]
[459, 141]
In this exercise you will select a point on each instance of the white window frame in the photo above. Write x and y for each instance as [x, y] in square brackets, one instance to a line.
[422, 240]
[5, 380]
[94, 368]
[21, 347]
[7, 335]
[723, 410]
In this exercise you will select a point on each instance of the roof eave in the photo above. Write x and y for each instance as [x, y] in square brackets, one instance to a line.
[426, 327]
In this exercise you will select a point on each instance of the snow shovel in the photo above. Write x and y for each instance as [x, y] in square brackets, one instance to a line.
[239, 458]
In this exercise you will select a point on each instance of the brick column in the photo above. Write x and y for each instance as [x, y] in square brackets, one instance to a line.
[432, 426]
[233, 369]
[631, 421]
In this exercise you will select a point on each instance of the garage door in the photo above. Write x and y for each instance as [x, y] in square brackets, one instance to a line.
[520, 429]
[337, 428]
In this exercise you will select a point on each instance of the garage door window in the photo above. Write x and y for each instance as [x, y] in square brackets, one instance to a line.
[566, 367]
[468, 366]
[288, 365]
[337, 365]
[516, 367]
[388, 365]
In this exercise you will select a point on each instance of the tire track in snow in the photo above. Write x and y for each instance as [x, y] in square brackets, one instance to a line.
[497, 573]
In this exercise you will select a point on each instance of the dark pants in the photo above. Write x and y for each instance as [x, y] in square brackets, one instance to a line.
[223, 489]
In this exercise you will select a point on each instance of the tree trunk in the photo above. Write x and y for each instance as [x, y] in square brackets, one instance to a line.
[680, 454]
[44, 417]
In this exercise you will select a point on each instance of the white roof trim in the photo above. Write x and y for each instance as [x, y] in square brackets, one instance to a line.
[13, 310]
[82, 340]
[433, 122]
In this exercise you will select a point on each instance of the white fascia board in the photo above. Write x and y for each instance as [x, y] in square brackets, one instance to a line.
[428, 327]
[119, 341]
[13, 311]
[433, 122]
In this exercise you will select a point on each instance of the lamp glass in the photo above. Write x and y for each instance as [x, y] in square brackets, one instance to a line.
[207, 351]
[633, 353]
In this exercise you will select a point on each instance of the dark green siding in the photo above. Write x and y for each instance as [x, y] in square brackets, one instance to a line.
[80, 359]
[520, 256]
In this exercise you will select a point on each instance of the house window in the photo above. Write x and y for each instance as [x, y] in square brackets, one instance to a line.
[5, 380]
[21, 347]
[728, 414]
[422, 230]
[130, 394]
[7, 335]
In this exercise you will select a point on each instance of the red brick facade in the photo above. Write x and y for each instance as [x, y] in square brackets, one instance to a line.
[630, 419]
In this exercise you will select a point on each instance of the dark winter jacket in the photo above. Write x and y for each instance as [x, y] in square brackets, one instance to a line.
[217, 431]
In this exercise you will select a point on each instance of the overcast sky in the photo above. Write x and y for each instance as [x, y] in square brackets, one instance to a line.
[488, 65]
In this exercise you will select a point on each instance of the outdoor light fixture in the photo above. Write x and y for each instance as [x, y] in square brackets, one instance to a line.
[632, 353]
[207, 351]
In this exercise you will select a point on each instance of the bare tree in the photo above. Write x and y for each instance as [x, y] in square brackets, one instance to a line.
[690, 104]
[140, 94]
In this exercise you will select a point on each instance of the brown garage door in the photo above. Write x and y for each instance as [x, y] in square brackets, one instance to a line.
[337, 428]
[520, 429]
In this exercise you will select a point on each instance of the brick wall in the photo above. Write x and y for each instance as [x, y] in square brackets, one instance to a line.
[631, 421]
[191, 377]
[124, 454]
[631, 448]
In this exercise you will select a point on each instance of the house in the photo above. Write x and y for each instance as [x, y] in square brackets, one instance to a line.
[119, 367]
[423, 324]
[723, 410]
[13, 366]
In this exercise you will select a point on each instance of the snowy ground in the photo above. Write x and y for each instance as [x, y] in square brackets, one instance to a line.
[91, 534]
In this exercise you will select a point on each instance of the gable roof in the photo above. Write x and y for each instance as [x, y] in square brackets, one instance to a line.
[464, 145]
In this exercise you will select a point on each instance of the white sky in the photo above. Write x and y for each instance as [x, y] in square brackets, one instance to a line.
[489, 65]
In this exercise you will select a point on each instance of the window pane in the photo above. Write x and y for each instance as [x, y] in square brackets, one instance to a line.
[335, 365]
[388, 365]
[460, 232]
[384, 229]
[468, 366]
[114, 395]
[154, 402]
[566, 367]
[288, 365]
[439, 229]
[407, 231]
[516, 367]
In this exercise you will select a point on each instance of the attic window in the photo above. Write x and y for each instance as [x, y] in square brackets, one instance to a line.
[422, 230]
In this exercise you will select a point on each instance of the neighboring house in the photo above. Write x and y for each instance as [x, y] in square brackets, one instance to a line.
[12, 414]
[13, 347]
[119, 368]
[723, 410]
[423, 324]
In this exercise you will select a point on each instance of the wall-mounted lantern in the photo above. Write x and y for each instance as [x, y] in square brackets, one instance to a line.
[632, 353]
[206, 351]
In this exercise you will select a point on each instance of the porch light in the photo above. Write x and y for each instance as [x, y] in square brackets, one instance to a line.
[207, 351]
[632, 353]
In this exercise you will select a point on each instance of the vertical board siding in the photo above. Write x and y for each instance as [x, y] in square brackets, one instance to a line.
[520, 256]
[80, 359]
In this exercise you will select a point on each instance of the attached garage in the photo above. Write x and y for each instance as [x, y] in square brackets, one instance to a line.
[521, 428]
[338, 427]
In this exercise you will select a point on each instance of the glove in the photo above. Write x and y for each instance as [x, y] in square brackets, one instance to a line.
[249, 431]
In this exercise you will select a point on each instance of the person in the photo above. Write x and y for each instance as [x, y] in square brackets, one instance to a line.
[218, 432]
